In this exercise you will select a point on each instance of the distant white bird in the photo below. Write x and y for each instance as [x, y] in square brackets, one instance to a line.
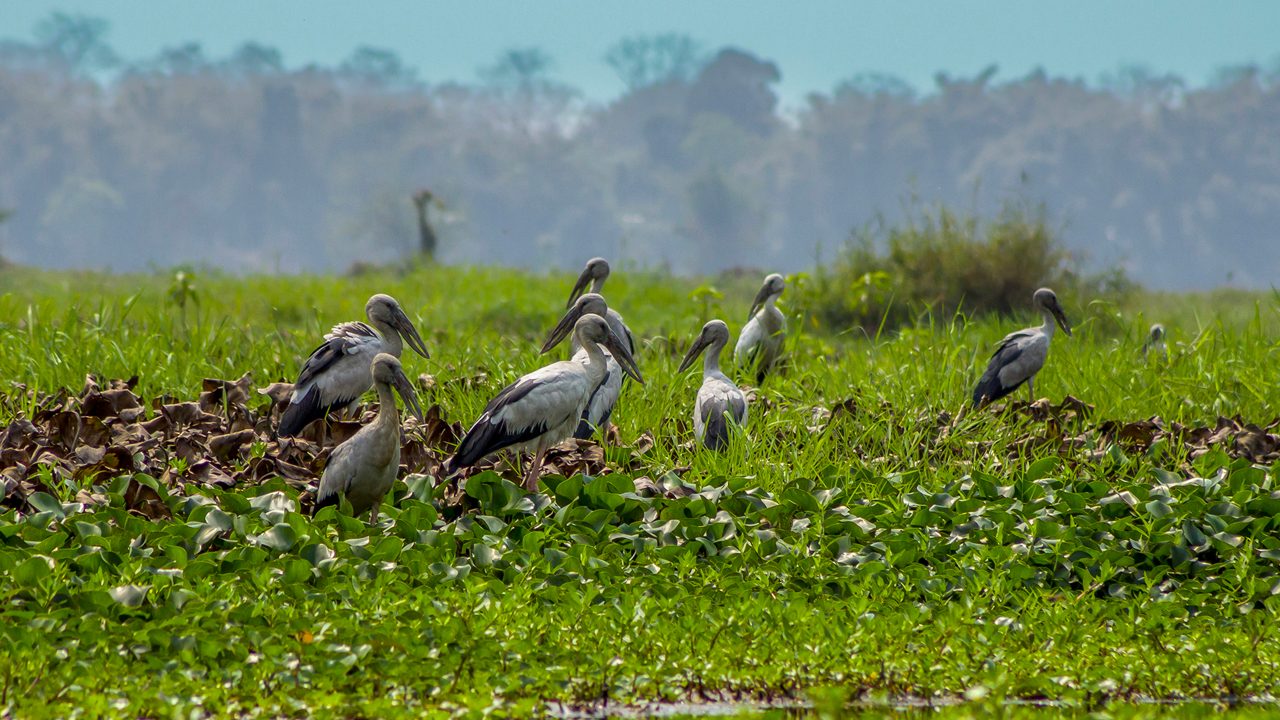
[719, 400]
[339, 371]
[1021, 354]
[605, 396]
[364, 467]
[1155, 342]
[595, 273]
[542, 408]
[760, 342]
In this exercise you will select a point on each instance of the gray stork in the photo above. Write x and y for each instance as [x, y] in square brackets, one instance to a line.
[542, 408]
[595, 273]
[1155, 342]
[339, 371]
[363, 468]
[605, 396]
[1021, 354]
[760, 342]
[719, 400]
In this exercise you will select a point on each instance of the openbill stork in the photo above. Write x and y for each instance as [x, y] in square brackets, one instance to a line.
[594, 274]
[760, 342]
[363, 467]
[544, 407]
[605, 395]
[339, 371]
[1021, 354]
[719, 402]
[1155, 342]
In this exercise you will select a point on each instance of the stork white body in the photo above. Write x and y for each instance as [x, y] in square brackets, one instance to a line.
[1020, 355]
[363, 468]
[720, 402]
[338, 372]
[760, 342]
[545, 406]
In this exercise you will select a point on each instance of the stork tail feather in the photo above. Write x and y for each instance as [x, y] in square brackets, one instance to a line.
[302, 413]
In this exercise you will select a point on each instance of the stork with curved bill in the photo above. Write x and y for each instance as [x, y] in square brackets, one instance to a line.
[363, 468]
[1021, 354]
[594, 274]
[340, 371]
[720, 402]
[544, 407]
[605, 396]
[760, 342]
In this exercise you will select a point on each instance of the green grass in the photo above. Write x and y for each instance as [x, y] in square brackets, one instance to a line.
[877, 556]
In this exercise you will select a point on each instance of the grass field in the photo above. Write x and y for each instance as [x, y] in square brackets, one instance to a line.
[862, 540]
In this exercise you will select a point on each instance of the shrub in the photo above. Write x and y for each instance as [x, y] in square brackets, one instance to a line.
[943, 262]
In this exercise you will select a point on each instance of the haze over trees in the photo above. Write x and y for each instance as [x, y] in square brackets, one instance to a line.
[243, 163]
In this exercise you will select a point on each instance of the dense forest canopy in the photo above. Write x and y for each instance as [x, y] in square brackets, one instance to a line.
[242, 163]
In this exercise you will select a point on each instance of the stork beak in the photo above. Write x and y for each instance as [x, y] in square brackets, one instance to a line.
[1061, 318]
[580, 286]
[759, 301]
[410, 333]
[620, 352]
[563, 328]
[405, 388]
[698, 346]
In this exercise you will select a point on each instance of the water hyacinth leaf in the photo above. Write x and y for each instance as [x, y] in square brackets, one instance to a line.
[273, 501]
[1040, 469]
[130, 596]
[44, 502]
[33, 570]
[280, 537]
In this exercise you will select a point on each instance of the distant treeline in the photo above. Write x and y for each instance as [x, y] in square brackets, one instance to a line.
[241, 163]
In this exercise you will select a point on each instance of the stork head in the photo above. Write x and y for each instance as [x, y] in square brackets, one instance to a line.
[714, 334]
[594, 329]
[1047, 301]
[1157, 334]
[385, 310]
[771, 290]
[387, 371]
[588, 304]
[594, 274]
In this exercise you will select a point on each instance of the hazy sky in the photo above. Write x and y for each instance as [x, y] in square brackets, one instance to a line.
[816, 43]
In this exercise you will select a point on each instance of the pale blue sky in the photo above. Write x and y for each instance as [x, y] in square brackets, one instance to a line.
[816, 43]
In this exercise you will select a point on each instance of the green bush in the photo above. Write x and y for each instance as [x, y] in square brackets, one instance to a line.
[942, 262]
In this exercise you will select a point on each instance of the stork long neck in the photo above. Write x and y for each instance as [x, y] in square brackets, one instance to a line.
[392, 343]
[387, 412]
[1049, 323]
[711, 358]
[595, 356]
[597, 285]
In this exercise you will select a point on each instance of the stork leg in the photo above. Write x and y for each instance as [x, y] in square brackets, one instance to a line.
[535, 470]
[373, 514]
[1031, 393]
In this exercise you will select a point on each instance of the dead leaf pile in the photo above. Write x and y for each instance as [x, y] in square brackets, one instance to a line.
[220, 440]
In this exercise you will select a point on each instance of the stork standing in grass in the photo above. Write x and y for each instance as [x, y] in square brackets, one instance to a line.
[340, 371]
[719, 402]
[594, 274]
[1021, 354]
[605, 396]
[1155, 342]
[760, 342]
[363, 468]
[544, 407]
